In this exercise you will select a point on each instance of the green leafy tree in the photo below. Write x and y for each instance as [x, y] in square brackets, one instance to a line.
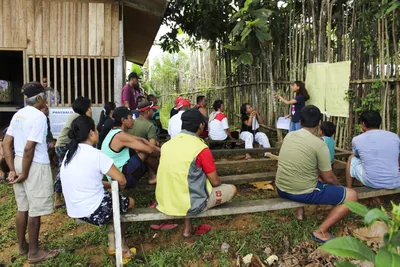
[347, 246]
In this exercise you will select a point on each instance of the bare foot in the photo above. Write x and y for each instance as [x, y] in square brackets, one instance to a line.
[299, 214]
[152, 180]
[247, 156]
[42, 255]
[23, 250]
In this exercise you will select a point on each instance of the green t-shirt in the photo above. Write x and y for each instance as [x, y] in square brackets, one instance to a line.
[301, 156]
[63, 139]
[143, 128]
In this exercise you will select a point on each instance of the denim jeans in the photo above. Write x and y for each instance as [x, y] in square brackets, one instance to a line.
[294, 126]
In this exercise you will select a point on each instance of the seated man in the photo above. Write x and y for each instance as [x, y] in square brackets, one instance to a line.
[175, 123]
[135, 155]
[143, 126]
[187, 180]
[301, 157]
[376, 155]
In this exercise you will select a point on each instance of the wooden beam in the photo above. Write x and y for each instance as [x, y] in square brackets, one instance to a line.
[141, 7]
[240, 151]
[242, 207]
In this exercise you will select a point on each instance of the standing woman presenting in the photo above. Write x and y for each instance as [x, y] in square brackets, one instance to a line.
[297, 103]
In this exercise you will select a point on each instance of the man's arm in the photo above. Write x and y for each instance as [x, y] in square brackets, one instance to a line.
[203, 111]
[27, 158]
[214, 179]
[329, 177]
[9, 155]
[130, 141]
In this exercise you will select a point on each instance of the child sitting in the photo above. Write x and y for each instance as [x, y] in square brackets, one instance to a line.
[326, 130]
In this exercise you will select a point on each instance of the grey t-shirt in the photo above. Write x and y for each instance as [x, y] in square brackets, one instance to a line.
[379, 152]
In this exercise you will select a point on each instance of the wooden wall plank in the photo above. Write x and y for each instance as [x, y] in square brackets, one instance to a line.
[107, 30]
[78, 26]
[96, 82]
[82, 77]
[75, 77]
[62, 81]
[103, 94]
[13, 22]
[46, 27]
[20, 30]
[69, 79]
[60, 24]
[1, 23]
[53, 28]
[30, 26]
[34, 77]
[100, 29]
[115, 29]
[55, 80]
[7, 31]
[85, 29]
[38, 27]
[109, 79]
[92, 29]
[66, 18]
[72, 25]
[49, 80]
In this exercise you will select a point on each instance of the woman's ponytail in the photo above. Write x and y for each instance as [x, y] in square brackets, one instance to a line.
[78, 133]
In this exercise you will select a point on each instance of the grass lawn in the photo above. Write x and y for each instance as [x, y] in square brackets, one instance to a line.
[85, 245]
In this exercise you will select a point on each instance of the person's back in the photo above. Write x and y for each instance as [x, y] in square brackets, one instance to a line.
[143, 128]
[217, 126]
[330, 143]
[300, 157]
[175, 124]
[119, 158]
[379, 152]
[179, 173]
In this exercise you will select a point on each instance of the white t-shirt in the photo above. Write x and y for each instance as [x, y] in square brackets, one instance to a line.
[175, 124]
[217, 126]
[30, 124]
[81, 180]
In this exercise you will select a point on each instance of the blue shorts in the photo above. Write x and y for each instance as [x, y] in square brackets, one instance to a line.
[323, 194]
[134, 170]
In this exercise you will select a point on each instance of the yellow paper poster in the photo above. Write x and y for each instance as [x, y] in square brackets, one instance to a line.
[339, 79]
[315, 83]
[327, 85]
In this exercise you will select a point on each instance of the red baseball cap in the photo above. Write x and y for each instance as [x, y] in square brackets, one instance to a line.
[177, 99]
[182, 102]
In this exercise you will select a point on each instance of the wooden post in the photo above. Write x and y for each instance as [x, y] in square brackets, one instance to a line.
[119, 63]
[117, 223]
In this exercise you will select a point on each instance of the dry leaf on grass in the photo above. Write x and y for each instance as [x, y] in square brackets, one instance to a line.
[372, 234]
[263, 185]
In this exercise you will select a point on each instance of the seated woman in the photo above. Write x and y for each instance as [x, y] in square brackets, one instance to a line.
[218, 127]
[82, 173]
[106, 122]
[249, 132]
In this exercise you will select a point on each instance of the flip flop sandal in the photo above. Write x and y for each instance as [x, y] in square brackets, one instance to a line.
[201, 229]
[316, 239]
[50, 254]
[164, 226]
[153, 205]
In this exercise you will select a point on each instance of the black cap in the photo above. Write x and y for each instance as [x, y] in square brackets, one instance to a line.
[132, 75]
[32, 89]
[121, 112]
[192, 117]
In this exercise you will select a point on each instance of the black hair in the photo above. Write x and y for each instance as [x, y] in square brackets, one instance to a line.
[327, 128]
[81, 105]
[200, 98]
[310, 116]
[140, 98]
[150, 97]
[108, 107]
[78, 133]
[217, 104]
[243, 109]
[302, 91]
[372, 119]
